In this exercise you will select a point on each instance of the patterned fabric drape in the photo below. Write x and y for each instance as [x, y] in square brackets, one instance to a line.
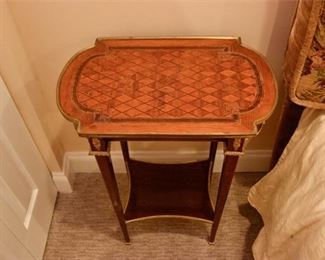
[304, 69]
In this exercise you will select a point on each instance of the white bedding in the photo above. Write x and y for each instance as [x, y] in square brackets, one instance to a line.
[291, 198]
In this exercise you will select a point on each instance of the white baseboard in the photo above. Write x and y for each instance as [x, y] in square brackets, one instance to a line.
[81, 162]
[64, 180]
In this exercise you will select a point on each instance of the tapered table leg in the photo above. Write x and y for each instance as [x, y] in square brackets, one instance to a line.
[212, 157]
[227, 173]
[105, 165]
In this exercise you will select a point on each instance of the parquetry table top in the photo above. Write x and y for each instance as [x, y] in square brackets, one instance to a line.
[169, 87]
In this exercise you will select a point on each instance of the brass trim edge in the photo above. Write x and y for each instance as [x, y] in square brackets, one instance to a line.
[75, 121]
[170, 37]
[169, 216]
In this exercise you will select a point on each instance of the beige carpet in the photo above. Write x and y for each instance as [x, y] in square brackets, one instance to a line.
[84, 227]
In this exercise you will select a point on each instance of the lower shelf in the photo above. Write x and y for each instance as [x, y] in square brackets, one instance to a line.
[179, 190]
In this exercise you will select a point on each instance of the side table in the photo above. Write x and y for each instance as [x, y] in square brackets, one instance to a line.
[199, 89]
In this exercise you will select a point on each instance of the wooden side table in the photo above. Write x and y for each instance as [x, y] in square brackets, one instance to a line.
[200, 89]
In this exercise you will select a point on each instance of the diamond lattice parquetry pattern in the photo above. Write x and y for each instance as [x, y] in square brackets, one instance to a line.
[164, 84]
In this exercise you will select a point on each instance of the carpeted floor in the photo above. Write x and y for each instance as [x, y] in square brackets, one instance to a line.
[84, 226]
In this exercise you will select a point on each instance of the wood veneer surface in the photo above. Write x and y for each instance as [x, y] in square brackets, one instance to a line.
[167, 87]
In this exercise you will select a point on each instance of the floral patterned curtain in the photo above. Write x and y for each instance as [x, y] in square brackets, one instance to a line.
[304, 70]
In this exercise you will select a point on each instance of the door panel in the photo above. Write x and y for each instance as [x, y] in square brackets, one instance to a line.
[27, 193]
[16, 183]
[10, 247]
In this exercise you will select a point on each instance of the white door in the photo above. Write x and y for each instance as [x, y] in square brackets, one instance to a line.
[27, 193]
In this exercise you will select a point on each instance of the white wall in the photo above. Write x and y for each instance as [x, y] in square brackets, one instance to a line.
[52, 31]
[22, 84]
